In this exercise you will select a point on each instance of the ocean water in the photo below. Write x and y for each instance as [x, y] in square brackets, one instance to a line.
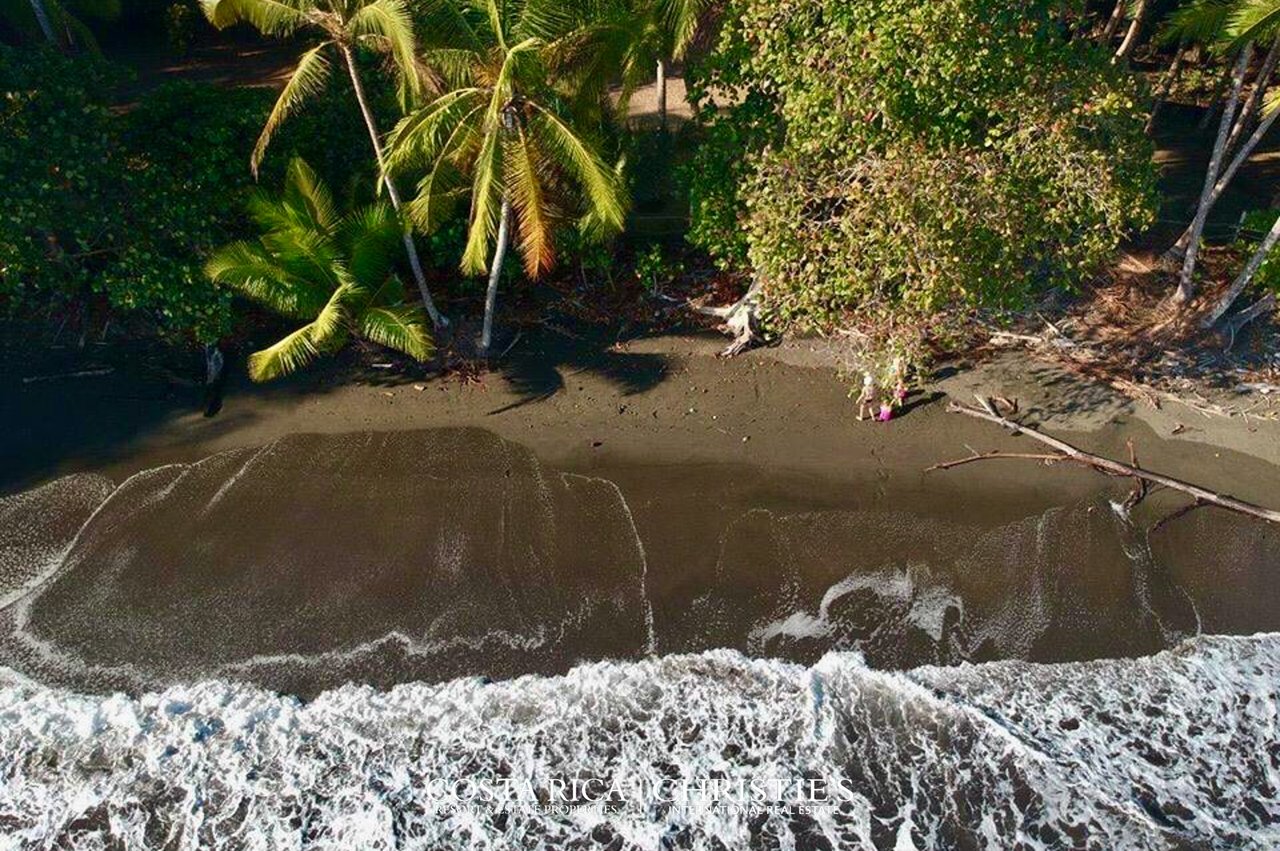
[438, 641]
[1177, 750]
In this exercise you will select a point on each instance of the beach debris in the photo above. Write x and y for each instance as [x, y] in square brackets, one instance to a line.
[82, 373]
[1065, 452]
[740, 319]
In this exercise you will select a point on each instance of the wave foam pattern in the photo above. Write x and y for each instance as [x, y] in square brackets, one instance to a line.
[1172, 751]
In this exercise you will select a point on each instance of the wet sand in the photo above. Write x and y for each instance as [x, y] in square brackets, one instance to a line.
[653, 499]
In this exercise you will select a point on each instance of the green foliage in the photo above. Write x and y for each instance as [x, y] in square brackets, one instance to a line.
[655, 271]
[118, 207]
[1253, 229]
[335, 272]
[510, 127]
[180, 20]
[124, 206]
[891, 156]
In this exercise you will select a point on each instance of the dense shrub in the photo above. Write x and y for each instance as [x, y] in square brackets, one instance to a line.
[124, 204]
[121, 207]
[912, 157]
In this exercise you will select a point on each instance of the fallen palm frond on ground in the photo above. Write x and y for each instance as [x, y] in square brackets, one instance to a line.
[1065, 452]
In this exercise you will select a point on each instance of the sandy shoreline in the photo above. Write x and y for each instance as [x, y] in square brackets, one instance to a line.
[657, 401]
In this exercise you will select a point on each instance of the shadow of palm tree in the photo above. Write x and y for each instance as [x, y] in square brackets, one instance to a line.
[540, 363]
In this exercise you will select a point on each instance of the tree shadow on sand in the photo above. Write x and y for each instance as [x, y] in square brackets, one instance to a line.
[542, 360]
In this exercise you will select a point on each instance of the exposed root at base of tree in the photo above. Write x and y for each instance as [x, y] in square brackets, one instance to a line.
[1066, 453]
[741, 319]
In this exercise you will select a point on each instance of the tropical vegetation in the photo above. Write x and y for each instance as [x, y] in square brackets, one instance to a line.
[333, 271]
[889, 168]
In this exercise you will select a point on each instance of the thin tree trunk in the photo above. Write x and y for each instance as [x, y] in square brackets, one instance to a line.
[1166, 85]
[1220, 88]
[1251, 268]
[495, 275]
[662, 94]
[1178, 251]
[1186, 282]
[1255, 97]
[1135, 28]
[1113, 24]
[415, 264]
[42, 18]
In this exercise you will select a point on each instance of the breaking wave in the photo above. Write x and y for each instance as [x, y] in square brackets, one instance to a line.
[1175, 750]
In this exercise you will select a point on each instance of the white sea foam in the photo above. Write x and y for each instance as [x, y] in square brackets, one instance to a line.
[1175, 750]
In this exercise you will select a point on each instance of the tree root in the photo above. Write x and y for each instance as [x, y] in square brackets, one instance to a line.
[1067, 453]
[741, 320]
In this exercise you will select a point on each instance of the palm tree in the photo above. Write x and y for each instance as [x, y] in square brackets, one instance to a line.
[57, 23]
[662, 32]
[343, 26]
[1242, 23]
[331, 271]
[510, 131]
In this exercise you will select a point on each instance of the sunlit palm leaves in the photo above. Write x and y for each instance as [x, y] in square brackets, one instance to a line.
[1254, 20]
[509, 126]
[383, 25]
[330, 271]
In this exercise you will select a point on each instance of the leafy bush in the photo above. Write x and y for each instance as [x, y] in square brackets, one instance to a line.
[125, 205]
[909, 158]
[122, 207]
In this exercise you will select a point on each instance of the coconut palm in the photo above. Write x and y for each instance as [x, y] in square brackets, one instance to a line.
[57, 22]
[343, 26]
[661, 32]
[1240, 24]
[510, 131]
[331, 271]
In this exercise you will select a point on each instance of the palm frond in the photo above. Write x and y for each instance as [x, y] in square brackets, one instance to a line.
[419, 136]
[307, 79]
[371, 236]
[445, 23]
[254, 273]
[681, 19]
[1198, 22]
[283, 357]
[389, 22]
[399, 327]
[525, 169]
[270, 17]
[1253, 20]
[309, 197]
[604, 192]
[486, 201]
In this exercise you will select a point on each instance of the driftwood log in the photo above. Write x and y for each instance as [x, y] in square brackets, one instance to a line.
[1065, 452]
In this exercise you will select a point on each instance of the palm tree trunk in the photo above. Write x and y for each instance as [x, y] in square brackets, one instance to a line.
[411, 250]
[1135, 27]
[662, 93]
[1186, 282]
[1220, 88]
[42, 18]
[1166, 85]
[1113, 24]
[495, 275]
[1250, 269]
[1179, 248]
[1251, 105]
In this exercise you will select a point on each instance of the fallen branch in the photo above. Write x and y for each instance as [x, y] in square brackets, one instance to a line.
[84, 373]
[1067, 452]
